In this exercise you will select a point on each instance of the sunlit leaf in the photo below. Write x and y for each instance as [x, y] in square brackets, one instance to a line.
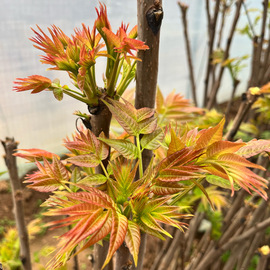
[176, 144]
[124, 117]
[211, 135]
[152, 141]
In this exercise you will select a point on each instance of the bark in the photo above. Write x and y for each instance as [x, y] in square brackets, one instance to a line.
[123, 261]
[100, 253]
[147, 69]
[17, 194]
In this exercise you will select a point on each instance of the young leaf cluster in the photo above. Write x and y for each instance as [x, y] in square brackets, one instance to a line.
[111, 204]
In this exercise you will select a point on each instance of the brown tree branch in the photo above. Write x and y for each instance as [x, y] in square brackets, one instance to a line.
[17, 195]
[260, 70]
[215, 253]
[247, 102]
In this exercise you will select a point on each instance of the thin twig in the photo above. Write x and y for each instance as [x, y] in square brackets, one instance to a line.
[190, 236]
[229, 105]
[162, 252]
[249, 20]
[214, 91]
[183, 9]
[211, 33]
[266, 60]
[168, 256]
[261, 41]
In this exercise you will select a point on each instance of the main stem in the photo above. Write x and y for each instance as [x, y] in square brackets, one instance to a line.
[101, 122]
[146, 74]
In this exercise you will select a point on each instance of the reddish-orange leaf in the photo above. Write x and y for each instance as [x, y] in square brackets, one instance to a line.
[222, 147]
[254, 147]
[208, 136]
[35, 154]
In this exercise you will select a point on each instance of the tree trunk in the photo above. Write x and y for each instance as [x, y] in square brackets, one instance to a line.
[100, 122]
[150, 15]
[17, 195]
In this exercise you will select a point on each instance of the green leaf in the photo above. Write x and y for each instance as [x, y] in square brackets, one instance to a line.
[124, 147]
[152, 141]
[58, 93]
[1, 173]
[221, 182]
[92, 180]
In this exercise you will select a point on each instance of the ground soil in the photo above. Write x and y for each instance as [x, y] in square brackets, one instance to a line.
[32, 200]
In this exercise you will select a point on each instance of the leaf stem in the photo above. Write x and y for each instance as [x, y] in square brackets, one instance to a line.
[140, 156]
[92, 82]
[108, 180]
[82, 99]
[104, 170]
[123, 84]
[113, 77]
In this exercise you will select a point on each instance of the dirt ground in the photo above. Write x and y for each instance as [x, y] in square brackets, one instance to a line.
[32, 200]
